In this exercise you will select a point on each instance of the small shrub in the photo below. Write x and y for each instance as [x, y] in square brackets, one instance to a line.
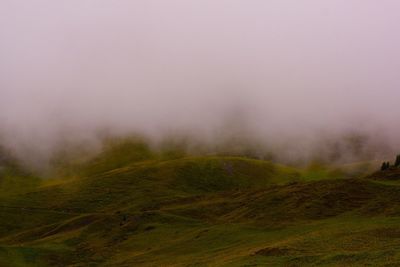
[385, 166]
[397, 162]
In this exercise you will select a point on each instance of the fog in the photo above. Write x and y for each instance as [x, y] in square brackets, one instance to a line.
[285, 73]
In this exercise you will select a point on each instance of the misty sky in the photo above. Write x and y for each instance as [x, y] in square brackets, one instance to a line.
[288, 67]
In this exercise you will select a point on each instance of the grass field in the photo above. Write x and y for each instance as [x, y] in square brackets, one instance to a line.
[130, 206]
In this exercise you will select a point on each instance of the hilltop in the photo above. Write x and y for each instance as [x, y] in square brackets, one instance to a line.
[132, 206]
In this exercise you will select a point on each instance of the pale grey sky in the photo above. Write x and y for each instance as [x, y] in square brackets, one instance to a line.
[293, 67]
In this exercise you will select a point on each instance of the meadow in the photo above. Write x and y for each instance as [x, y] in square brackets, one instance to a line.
[133, 206]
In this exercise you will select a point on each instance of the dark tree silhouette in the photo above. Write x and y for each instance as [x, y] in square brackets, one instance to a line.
[385, 166]
[397, 163]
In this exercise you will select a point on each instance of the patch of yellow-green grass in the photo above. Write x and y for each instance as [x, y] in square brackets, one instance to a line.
[318, 171]
[340, 241]
[140, 184]
[202, 211]
[15, 180]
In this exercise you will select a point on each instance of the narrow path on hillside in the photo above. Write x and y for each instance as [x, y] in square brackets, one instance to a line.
[37, 209]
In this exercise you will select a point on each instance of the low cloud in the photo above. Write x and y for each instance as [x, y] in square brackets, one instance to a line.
[277, 74]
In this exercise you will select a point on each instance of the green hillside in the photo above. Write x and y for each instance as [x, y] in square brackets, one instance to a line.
[13, 177]
[132, 206]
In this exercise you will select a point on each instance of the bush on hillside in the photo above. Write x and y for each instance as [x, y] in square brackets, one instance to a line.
[385, 166]
[397, 162]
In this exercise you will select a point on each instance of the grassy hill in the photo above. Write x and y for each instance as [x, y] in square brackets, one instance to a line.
[13, 177]
[132, 206]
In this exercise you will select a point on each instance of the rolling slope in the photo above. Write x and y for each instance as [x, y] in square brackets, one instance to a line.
[200, 211]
